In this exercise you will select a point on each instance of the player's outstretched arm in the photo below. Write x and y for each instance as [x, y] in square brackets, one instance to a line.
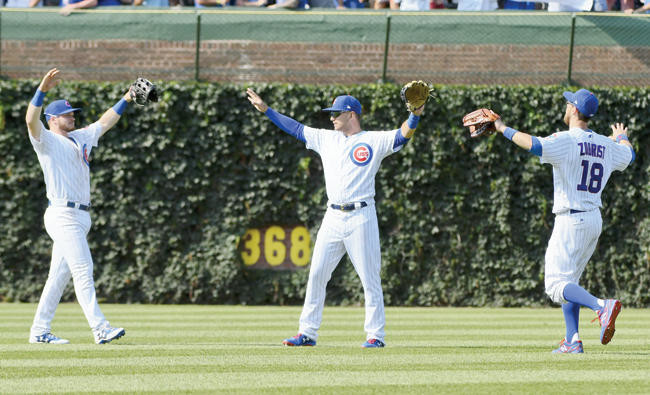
[524, 140]
[289, 125]
[113, 114]
[33, 116]
[408, 127]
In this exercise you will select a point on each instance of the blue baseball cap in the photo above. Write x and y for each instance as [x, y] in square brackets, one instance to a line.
[345, 103]
[585, 101]
[59, 107]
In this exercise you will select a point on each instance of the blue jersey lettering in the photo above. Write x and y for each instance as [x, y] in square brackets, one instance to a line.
[589, 149]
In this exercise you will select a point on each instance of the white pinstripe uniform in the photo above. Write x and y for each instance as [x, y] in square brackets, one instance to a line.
[582, 164]
[66, 170]
[350, 165]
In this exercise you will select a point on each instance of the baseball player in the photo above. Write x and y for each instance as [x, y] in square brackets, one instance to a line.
[351, 157]
[582, 163]
[63, 152]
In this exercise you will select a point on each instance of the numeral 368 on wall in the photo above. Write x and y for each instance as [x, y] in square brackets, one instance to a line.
[276, 247]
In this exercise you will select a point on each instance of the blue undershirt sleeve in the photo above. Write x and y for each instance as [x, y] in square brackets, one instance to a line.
[399, 139]
[536, 148]
[289, 125]
[633, 155]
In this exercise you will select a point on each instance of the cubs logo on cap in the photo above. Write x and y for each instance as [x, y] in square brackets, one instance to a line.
[361, 154]
[59, 107]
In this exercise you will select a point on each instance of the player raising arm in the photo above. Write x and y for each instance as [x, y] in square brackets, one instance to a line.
[582, 163]
[351, 158]
[63, 153]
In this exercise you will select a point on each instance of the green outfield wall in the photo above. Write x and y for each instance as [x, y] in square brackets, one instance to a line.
[175, 186]
[324, 47]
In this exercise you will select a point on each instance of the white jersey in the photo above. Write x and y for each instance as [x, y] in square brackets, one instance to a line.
[414, 5]
[350, 163]
[65, 162]
[582, 163]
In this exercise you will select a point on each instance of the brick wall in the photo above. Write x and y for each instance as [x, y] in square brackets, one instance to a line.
[348, 63]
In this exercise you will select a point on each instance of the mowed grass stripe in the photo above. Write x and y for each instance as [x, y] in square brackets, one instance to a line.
[236, 349]
[197, 381]
[12, 369]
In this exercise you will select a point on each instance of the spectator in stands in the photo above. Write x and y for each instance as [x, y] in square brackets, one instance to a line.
[151, 3]
[213, 3]
[322, 4]
[343, 4]
[23, 3]
[413, 5]
[621, 5]
[577, 6]
[518, 5]
[477, 5]
[294, 4]
[180, 3]
[380, 4]
[436, 4]
[71, 5]
[643, 9]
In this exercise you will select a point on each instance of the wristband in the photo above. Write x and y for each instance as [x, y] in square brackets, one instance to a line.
[621, 137]
[38, 98]
[413, 120]
[509, 132]
[120, 106]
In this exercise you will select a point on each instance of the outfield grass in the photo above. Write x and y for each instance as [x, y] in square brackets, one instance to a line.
[237, 349]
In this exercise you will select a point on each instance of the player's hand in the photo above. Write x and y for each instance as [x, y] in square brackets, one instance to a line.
[50, 80]
[618, 129]
[418, 111]
[128, 96]
[256, 100]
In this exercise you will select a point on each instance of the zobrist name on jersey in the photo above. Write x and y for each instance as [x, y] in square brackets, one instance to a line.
[592, 149]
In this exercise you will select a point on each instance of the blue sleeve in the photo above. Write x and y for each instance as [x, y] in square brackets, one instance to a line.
[289, 125]
[536, 148]
[633, 155]
[399, 139]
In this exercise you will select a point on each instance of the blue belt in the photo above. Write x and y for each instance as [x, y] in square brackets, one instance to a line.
[70, 204]
[348, 206]
[572, 211]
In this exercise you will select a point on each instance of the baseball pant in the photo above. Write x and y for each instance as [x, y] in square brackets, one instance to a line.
[68, 228]
[572, 243]
[357, 233]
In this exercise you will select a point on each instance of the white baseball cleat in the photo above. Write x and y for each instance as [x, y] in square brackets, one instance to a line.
[47, 338]
[107, 333]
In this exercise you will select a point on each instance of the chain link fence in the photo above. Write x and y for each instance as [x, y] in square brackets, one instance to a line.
[322, 47]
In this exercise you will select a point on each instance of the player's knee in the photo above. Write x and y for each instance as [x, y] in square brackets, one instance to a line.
[555, 291]
[320, 274]
[83, 277]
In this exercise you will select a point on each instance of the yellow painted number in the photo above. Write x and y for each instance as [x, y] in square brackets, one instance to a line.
[300, 246]
[252, 247]
[274, 251]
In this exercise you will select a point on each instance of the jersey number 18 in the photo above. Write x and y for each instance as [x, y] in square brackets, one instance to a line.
[595, 177]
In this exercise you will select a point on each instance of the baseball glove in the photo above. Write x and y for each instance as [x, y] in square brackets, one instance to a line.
[143, 91]
[481, 122]
[415, 94]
